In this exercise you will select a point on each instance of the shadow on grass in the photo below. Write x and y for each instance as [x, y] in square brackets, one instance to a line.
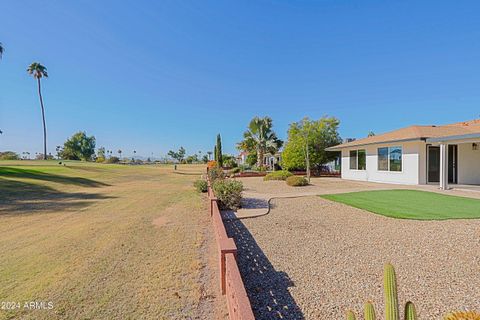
[39, 175]
[18, 197]
[266, 287]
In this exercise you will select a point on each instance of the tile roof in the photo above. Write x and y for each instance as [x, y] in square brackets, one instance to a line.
[416, 133]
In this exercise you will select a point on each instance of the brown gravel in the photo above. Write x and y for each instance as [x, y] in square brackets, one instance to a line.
[314, 259]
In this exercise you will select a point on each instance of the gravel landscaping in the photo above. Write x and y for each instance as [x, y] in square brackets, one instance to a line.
[311, 258]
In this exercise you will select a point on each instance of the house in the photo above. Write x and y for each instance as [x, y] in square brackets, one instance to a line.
[270, 160]
[443, 155]
[242, 158]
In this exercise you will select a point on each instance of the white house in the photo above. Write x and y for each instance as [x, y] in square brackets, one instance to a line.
[443, 155]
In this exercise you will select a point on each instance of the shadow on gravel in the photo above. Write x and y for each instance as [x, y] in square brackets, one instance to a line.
[266, 287]
[254, 203]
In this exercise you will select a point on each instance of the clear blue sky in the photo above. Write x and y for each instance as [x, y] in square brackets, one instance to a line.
[157, 75]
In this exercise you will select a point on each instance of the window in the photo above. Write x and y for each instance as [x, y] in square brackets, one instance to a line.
[353, 160]
[362, 160]
[389, 159]
[358, 160]
[382, 159]
[395, 158]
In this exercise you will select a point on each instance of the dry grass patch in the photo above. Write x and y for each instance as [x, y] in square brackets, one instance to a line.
[101, 241]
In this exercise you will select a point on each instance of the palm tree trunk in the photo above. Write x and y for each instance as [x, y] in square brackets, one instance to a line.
[260, 157]
[43, 118]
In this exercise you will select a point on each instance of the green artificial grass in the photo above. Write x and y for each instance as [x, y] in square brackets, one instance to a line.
[411, 204]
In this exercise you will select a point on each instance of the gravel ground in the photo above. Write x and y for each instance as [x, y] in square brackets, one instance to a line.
[314, 259]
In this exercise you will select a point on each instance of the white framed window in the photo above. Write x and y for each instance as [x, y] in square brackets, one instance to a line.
[389, 158]
[358, 159]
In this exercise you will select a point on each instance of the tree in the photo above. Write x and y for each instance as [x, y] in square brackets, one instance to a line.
[9, 155]
[371, 133]
[307, 141]
[38, 71]
[218, 149]
[79, 147]
[260, 138]
[101, 154]
[209, 154]
[179, 155]
[205, 158]
[2, 50]
[119, 153]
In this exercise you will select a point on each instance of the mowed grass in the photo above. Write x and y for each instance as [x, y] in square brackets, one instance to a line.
[411, 204]
[101, 241]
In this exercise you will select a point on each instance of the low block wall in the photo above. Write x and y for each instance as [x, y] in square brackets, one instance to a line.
[231, 282]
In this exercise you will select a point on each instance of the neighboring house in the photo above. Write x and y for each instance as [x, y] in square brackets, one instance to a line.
[443, 155]
[270, 160]
[242, 158]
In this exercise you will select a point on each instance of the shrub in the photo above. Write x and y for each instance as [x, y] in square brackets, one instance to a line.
[200, 185]
[9, 155]
[296, 181]
[469, 315]
[100, 159]
[278, 175]
[215, 174]
[236, 170]
[211, 164]
[229, 193]
[112, 160]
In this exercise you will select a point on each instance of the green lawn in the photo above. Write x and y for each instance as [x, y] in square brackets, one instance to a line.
[411, 204]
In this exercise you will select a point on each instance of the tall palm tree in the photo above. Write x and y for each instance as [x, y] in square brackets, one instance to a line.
[260, 138]
[38, 72]
[2, 50]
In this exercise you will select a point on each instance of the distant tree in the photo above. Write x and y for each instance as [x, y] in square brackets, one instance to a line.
[205, 158]
[9, 155]
[41, 156]
[58, 149]
[179, 155]
[119, 153]
[79, 147]
[307, 141]
[260, 138]
[192, 159]
[2, 50]
[209, 153]
[38, 71]
[371, 133]
[101, 154]
[215, 153]
[218, 148]
[134, 153]
[229, 161]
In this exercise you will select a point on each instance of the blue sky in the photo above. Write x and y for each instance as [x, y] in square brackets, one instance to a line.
[157, 75]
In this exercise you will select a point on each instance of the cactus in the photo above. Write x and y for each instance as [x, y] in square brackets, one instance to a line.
[410, 312]
[369, 311]
[350, 315]
[391, 299]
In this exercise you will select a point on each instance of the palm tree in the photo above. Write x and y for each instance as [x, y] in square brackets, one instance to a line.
[38, 71]
[2, 50]
[260, 138]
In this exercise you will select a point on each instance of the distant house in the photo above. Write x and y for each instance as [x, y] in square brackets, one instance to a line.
[269, 160]
[242, 158]
[443, 155]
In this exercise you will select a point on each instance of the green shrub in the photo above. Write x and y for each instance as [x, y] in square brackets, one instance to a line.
[236, 170]
[216, 173]
[278, 175]
[9, 155]
[229, 193]
[112, 160]
[296, 181]
[200, 185]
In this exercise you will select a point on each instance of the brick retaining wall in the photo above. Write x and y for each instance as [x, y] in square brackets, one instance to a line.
[231, 282]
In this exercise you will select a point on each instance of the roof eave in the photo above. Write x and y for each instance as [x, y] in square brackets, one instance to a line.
[342, 146]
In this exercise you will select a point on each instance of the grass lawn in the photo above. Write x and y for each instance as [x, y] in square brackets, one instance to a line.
[411, 204]
[103, 241]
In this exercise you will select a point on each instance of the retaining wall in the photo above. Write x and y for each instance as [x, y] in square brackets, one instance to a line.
[231, 282]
